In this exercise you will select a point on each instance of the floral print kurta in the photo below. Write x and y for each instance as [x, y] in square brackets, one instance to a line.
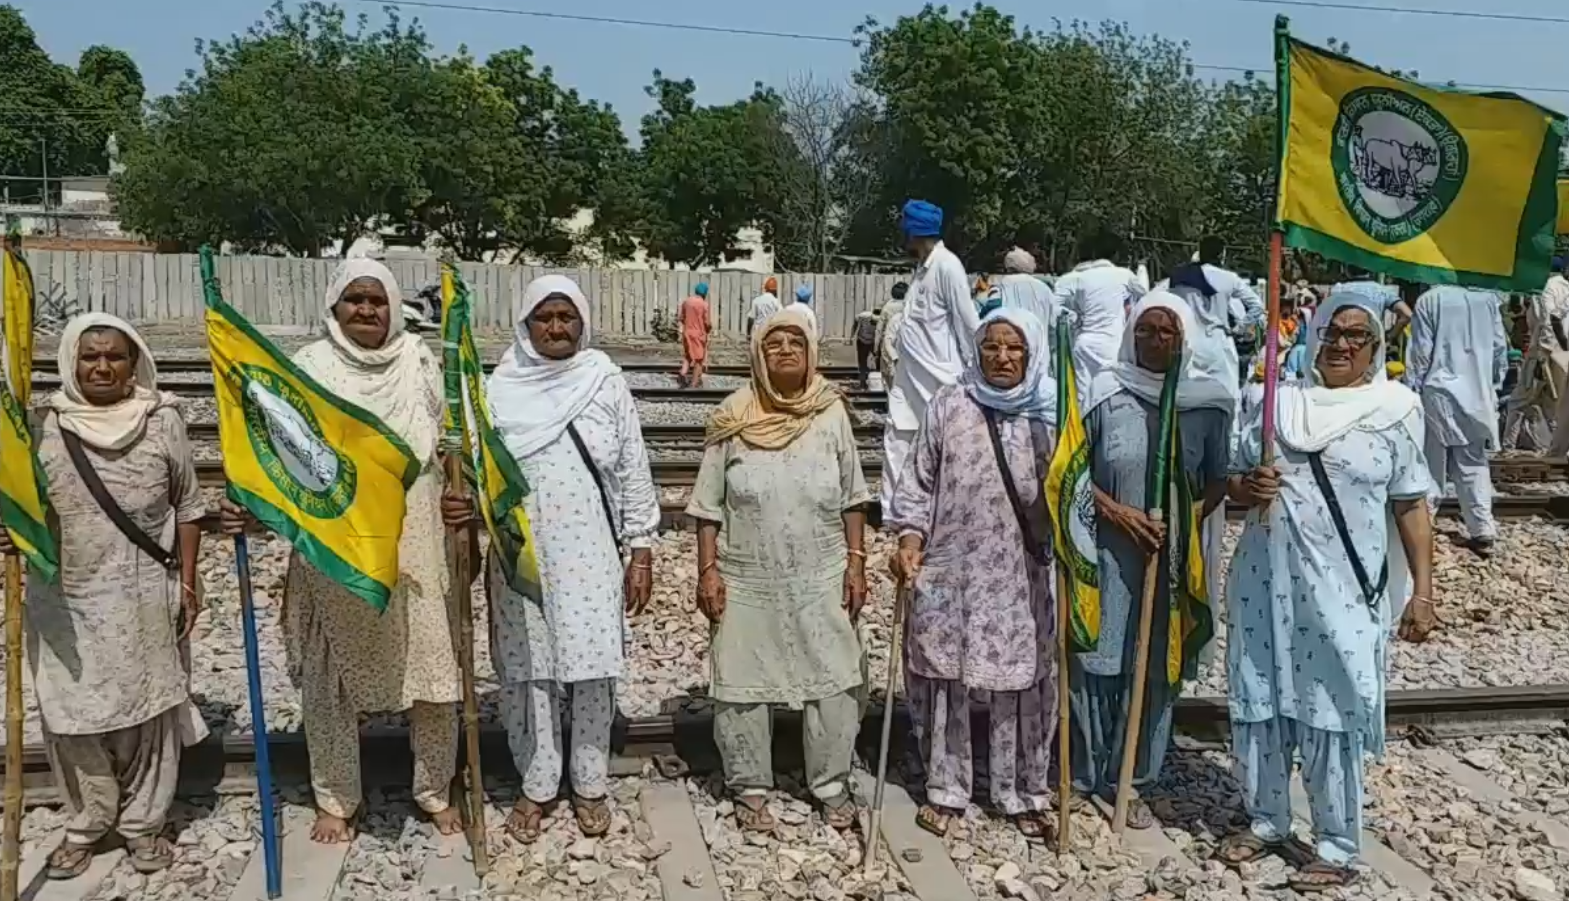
[981, 610]
[1305, 645]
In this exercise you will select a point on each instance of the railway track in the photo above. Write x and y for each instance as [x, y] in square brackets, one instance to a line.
[680, 740]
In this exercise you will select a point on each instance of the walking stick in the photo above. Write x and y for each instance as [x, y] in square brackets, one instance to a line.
[11, 852]
[1064, 722]
[269, 823]
[458, 562]
[1141, 665]
[895, 656]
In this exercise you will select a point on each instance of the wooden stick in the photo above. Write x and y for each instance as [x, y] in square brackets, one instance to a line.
[1141, 663]
[458, 562]
[1064, 738]
[895, 652]
[11, 849]
[1272, 348]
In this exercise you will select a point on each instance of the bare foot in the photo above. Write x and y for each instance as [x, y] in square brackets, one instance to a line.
[331, 830]
[447, 822]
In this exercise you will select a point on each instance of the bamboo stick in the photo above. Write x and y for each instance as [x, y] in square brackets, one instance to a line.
[896, 649]
[458, 556]
[11, 848]
[1136, 689]
[1064, 737]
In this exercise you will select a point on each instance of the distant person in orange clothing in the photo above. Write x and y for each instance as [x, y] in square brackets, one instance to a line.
[696, 324]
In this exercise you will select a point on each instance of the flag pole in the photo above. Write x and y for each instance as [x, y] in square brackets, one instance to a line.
[269, 822]
[1276, 240]
[458, 556]
[895, 657]
[11, 852]
[1155, 501]
[1064, 719]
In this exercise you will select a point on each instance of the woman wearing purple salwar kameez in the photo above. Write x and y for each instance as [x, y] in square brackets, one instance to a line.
[981, 610]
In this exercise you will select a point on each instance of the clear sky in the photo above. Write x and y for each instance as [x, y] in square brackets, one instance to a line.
[613, 63]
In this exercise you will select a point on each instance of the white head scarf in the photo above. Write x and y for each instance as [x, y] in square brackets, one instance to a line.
[1310, 416]
[534, 398]
[1196, 387]
[397, 382]
[116, 426]
[1019, 260]
[1035, 397]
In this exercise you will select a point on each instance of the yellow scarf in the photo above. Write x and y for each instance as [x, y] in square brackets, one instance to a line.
[757, 413]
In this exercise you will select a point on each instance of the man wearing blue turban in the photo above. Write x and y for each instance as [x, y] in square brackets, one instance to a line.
[803, 299]
[936, 336]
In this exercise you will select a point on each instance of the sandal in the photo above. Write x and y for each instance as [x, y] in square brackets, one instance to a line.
[524, 822]
[752, 814]
[1035, 826]
[1243, 847]
[1321, 876]
[150, 854]
[1140, 816]
[593, 815]
[840, 813]
[934, 819]
[69, 861]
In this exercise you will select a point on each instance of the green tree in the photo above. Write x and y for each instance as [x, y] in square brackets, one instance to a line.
[705, 173]
[296, 134]
[50, 110]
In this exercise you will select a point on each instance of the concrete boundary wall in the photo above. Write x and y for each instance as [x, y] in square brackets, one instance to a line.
[287, 292]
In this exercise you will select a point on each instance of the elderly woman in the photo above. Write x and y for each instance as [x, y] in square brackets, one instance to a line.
[105, 641]
[1338, 536]
[1123, 425]
[347, 658]
[974, 540]
[567, 416]
[781, 480]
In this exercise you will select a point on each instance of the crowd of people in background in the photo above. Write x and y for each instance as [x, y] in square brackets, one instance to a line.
[1335, 558]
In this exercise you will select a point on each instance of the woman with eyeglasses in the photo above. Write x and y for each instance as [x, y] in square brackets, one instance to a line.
[1337, 540]
[1123, 426]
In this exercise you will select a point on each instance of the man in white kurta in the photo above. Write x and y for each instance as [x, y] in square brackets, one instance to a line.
[1457, 360]
[935, 336]
[1099, 294]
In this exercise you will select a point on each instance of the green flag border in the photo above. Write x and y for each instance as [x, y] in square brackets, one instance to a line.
[329, 563]
[1538, 226]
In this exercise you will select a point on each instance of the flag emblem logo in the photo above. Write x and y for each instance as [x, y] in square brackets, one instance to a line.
[1077, 514]
[291, 448]
[1399, 164]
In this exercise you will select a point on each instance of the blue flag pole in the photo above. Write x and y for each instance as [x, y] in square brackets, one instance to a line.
[269, 821]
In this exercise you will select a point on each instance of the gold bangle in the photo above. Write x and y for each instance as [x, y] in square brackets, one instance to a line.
[708, 566]
[855, 553]
[643, 567]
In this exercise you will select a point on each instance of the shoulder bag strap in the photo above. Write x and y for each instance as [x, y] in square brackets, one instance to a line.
[168, 559]
[1032, 544]
[599, 482]
[1369, 591]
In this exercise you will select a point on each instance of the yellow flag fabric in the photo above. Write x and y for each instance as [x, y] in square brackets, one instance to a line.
[1422, 183]
[1070, 501]
[493, 473]
[24, 492]
[324, 473]
[1563, 206]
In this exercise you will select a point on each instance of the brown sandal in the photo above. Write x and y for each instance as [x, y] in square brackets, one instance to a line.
[754, 817]
[1035, 826]
[593, 815]
[840, 813]
[150, 854]
[1321, 876]
[524, 822]
[1243, 847]
[69, 861]
[934, 819]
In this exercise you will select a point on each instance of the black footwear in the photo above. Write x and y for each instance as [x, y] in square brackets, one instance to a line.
[1482, 547]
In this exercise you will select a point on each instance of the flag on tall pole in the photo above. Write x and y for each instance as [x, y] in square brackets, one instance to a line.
[1416, 182]
[497, 479]
[24, 506]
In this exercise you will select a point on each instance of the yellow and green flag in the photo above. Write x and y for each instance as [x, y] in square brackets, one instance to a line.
[1422, 183]
[1563, 206]
[322, 472]
[1070, 500]
[24, 492]
[493, 472]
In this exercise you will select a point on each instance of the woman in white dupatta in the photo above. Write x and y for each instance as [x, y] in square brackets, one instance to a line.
[1312, 601]
[348, 658]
